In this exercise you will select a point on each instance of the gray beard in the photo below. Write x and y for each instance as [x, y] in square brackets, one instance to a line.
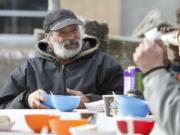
[61, 52]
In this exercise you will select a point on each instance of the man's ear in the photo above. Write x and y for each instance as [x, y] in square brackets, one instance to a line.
[46, 36]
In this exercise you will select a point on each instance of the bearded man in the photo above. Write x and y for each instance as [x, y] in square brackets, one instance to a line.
[69, 63]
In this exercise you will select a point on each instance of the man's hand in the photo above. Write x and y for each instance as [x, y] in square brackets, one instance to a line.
[84, 99]
[35, 99]
[148, 56]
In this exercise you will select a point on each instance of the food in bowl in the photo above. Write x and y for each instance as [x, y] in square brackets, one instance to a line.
[5, 123]
[4, 119]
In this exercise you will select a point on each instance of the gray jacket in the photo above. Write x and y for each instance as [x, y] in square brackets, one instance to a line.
[162, 91]
[91, 71]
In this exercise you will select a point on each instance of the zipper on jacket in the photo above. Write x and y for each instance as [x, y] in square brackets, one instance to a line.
[64, 78]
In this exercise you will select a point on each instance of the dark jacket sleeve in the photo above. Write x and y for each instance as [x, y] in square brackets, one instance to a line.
[14, 91]
[110, 78]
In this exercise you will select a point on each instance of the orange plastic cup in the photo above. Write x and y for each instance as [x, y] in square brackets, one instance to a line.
[37, 121]
[61, 127]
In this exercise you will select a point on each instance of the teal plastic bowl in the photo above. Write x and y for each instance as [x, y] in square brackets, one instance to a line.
[133, 107]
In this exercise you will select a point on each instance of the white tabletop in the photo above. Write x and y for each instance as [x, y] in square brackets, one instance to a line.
[20, 127]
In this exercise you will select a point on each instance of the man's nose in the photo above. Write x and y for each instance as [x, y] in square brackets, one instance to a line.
[71, 36]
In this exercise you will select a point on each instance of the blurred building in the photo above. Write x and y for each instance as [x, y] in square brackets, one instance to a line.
[133, 12]
[18, 18]
[108, 11]
[21, 16]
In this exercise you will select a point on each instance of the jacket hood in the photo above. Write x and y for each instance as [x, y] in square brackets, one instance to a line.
[90, 44]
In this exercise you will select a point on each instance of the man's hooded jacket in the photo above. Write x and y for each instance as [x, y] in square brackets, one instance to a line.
[91, 71]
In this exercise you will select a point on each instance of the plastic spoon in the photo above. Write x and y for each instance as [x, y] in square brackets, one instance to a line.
[116, 97]
[52, 99]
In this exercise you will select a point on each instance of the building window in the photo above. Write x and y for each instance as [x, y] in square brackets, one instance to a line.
[21, 16]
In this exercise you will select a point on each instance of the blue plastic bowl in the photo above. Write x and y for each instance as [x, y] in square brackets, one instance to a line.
[48, 102]
[65, 103]
[62, 102]
[131, 106]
